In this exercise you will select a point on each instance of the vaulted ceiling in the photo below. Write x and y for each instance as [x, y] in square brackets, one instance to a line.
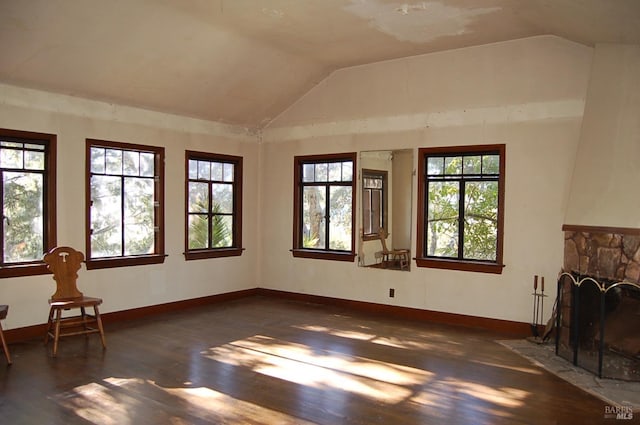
[243, 62]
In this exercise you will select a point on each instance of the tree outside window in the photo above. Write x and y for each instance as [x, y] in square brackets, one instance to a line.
[324, 206]
[461, 214]
[213, 205]
[27, 171]
[125, 208]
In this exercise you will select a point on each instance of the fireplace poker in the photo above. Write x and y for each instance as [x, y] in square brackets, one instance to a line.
[534, 327]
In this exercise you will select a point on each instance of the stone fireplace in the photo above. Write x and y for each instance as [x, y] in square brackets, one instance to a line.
[598, 325]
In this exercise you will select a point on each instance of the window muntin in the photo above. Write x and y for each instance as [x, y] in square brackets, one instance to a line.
[125, 208]
[374, 203]
[27, 192]
[213, 205]
[461, 214]
[324, 206]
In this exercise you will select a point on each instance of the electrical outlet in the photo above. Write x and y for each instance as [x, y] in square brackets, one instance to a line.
[392, 292]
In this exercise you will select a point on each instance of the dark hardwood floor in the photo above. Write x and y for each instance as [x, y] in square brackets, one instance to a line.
[262, 360]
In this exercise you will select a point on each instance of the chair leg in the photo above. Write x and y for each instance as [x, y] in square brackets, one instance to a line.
[4, 345]
[49, 326]
[56, 334]
[96, 313]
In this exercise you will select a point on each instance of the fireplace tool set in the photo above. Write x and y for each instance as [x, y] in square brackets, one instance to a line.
[538, 306]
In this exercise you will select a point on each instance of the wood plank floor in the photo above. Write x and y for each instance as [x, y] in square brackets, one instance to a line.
[268, 361]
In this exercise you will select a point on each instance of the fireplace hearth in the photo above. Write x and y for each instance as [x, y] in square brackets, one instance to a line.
[598, 310]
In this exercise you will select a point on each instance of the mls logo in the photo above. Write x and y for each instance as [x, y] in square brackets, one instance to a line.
[618, 412]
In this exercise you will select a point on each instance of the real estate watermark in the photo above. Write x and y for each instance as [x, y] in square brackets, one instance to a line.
[618, 412]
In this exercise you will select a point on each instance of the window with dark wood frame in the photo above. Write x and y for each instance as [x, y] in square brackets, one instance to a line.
[28, 196]
[213, 203]
[374, 203]
[461, 208]
[125, 204]
[324, 206]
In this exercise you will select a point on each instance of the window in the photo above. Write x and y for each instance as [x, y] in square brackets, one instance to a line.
[28, 194]
[324, 207]
[374, 203]
[461, 208]
[213, 205]
[125, 204]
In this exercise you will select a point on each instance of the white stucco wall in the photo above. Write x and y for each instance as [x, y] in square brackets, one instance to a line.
[528, 94]
[73, 120]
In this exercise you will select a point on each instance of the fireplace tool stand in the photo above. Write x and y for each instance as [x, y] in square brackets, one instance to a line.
[538, 309]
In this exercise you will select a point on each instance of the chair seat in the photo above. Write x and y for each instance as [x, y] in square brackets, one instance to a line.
[75, 302]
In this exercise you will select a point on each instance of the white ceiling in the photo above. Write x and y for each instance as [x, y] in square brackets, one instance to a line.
[243, 62]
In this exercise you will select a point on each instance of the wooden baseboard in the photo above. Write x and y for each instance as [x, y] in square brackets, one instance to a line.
[519, 329]
[37, 331]
[496, 325]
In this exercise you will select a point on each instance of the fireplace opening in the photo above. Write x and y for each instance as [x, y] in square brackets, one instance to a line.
[598, 325]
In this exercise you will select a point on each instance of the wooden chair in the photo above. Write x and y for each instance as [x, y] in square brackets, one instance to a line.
[4, 309]
[64, 262]
[393, 256]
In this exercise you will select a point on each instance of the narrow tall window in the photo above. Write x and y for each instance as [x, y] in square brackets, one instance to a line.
[324, 206]
[213, 205]
[125, 205]
[460, 214]
[28, 227]
[374, 203]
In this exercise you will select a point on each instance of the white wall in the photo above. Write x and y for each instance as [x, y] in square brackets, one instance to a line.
[528, 94]
[604, 191]
[73, 120]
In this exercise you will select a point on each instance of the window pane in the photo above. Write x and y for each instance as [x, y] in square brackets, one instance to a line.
[435, 166]
[472, 164]
[308, 172]
[321, 172]
[491, 164]
[204, 170]
[222, 198]
[114, 161]
[228, 172]
[340, 223]
[11, 158]
[453, 165]
[139, 216]
[147, 164]
[376, 211]
[216, 171]
[97, 160]
[193, 169]
[313, 213]
[34, 160]
[106, 224]
[23, 216]
[335, 171]
[198, 197]
[347, 171]
[198, 231]
[481, 220]
[131, 163]
[221, 231]
[366, 212]
[442, 219]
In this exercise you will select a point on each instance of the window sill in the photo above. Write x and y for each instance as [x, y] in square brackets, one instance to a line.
[212, 253]
[111, 262]
[468, 266]
[20, 270]
[324, 255]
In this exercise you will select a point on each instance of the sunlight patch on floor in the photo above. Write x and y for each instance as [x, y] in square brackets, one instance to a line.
[323, 369]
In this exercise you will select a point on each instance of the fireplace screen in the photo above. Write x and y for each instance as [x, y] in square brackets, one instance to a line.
[598, 325]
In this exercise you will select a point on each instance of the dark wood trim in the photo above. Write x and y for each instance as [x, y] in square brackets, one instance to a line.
[212, 253]
[37, 331]
[110, 262]
[298, 162]
[496, 325]
[600, 229]
[460, 264]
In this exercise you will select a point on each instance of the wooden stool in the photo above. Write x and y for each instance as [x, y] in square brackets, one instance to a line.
[4, 309]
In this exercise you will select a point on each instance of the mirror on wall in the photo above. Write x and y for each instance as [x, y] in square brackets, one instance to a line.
[384, 212]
